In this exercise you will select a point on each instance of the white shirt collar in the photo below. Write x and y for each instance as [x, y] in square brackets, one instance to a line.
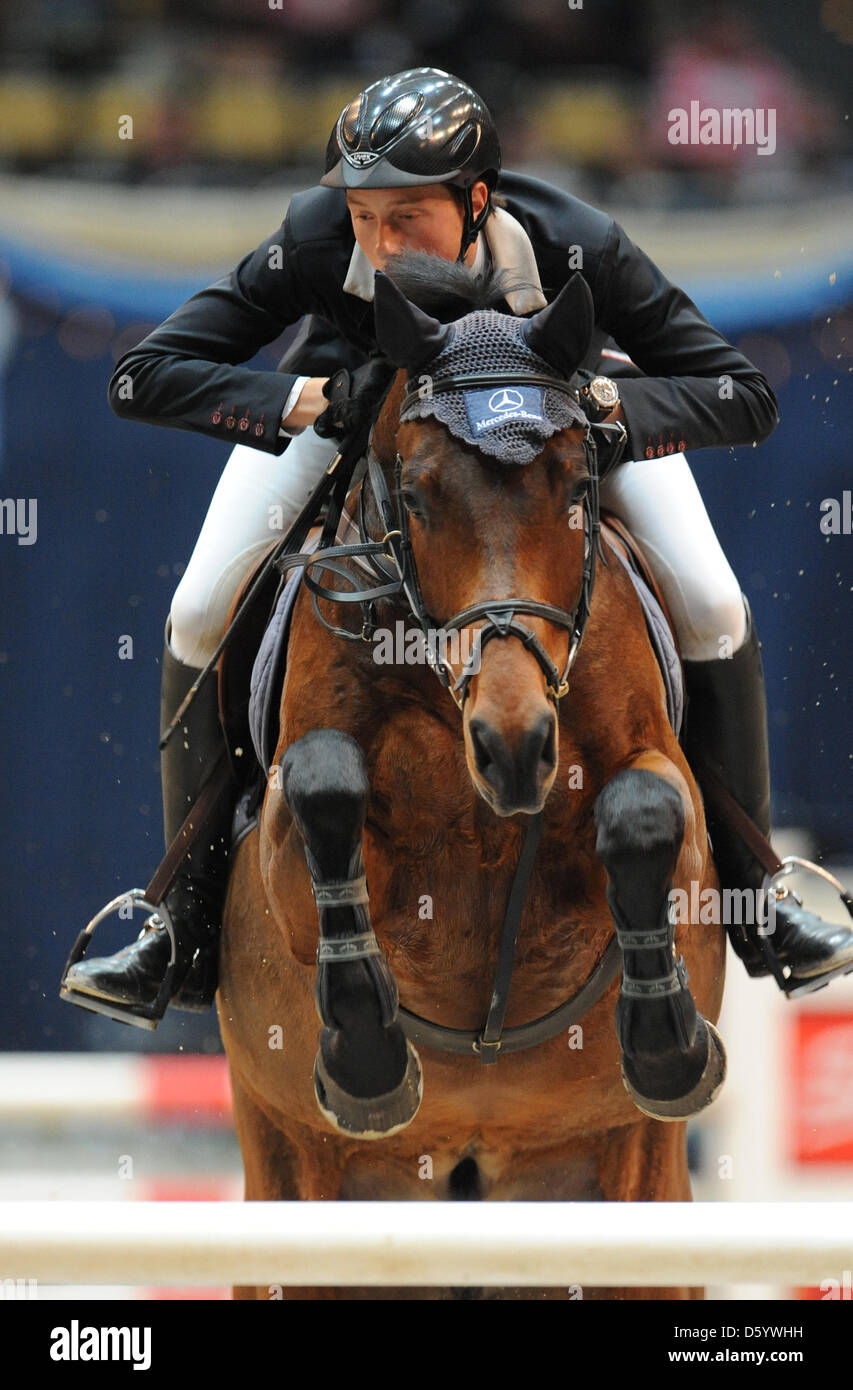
[509, 245]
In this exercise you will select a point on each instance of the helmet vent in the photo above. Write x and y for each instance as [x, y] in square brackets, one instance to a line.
[394, 118]
[351, 123]
[465, 143]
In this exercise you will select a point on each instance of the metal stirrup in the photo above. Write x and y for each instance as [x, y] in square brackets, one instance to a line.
[789, 865]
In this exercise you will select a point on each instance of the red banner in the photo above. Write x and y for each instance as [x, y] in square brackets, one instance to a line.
[822, 1088]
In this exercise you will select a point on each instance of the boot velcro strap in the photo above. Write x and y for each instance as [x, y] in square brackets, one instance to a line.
[341, 893]
[644, 940]
[659, 988]
[348, 947]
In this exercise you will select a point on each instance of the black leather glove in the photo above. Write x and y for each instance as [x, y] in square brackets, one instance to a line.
[353, 398]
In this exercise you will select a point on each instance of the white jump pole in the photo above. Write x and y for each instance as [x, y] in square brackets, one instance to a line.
[426, 1243]
[48, 1087]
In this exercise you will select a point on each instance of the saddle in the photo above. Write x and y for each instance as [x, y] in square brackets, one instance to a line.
[252, 668]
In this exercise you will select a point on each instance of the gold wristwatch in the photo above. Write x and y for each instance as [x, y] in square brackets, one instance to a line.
[599, 397]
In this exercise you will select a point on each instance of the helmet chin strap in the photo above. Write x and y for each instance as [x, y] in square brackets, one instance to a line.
[472, 226]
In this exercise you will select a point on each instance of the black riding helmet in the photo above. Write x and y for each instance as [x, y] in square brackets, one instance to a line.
[416, 127]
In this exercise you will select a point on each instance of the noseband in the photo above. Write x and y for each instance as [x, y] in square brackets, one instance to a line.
[497, 615]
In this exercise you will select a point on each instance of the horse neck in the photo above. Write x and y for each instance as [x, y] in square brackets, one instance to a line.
[615, 685]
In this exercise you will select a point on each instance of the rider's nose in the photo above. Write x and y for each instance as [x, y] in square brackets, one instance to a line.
[515, 776]
[389, 242]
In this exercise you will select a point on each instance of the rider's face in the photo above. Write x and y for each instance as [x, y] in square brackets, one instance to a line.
[426, 218]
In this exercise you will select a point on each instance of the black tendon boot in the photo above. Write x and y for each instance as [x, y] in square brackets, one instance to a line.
[133, 976]
[727, 729]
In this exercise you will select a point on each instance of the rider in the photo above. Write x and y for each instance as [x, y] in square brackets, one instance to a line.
[413, 162]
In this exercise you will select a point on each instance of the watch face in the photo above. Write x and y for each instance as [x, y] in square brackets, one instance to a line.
[604, 391]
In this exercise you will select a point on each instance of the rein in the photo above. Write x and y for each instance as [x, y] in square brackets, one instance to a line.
[499, 621]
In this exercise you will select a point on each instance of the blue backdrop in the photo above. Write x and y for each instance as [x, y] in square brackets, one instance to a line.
[119, 508]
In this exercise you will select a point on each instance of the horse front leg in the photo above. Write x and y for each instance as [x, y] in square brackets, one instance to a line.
[367, 1076]
[673, 1060]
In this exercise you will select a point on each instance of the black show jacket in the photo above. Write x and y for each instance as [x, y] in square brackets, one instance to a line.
[696, 391]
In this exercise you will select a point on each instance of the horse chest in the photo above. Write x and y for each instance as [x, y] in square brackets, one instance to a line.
[422, 797]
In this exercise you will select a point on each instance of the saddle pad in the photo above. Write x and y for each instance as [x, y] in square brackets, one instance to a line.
[268, 670]
[663, 643]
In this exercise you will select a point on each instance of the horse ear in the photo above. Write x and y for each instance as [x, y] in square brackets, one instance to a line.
[407, 336]
[561, 332]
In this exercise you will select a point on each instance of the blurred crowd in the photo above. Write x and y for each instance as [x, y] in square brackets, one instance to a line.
[244, 91]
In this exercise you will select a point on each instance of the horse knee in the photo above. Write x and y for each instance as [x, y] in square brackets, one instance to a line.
[639, 818]
[325, 784]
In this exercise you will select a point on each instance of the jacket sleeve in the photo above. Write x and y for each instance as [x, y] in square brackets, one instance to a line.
[318, 349]
[185, 374]
[698, 391]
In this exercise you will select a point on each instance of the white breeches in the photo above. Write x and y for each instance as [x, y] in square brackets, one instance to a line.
[260, 495]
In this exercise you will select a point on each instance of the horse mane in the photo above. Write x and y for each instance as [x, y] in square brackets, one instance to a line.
[448, 289]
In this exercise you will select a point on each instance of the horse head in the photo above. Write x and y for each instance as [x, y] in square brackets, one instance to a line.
[487, 446]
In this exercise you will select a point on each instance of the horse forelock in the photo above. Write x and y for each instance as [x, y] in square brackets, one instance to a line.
[435, 284]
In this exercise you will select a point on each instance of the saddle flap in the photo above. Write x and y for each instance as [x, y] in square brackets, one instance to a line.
[235, 663]
[658, 622]
[267, 672]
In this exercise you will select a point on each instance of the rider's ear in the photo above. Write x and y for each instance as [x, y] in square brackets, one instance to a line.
[407, 336]
[562, 331]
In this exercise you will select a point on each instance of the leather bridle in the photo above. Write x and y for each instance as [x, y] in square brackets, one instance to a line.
[498, 616]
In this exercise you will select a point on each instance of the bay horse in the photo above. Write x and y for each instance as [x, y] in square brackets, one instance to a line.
[396, 821]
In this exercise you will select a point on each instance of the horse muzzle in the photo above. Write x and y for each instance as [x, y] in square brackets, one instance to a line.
[517, 775]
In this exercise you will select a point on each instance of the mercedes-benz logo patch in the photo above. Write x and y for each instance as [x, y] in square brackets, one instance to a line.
[505, 400]
[506, 407]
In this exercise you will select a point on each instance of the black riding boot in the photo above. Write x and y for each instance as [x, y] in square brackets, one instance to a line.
[134, 975]
[727, 727]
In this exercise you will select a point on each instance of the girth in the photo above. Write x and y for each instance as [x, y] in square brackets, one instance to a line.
[492, 1038]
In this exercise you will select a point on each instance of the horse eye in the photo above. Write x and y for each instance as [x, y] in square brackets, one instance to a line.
[411, 503]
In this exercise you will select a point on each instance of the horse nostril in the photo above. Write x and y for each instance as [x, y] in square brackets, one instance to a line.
[548, 756]
[479, 732]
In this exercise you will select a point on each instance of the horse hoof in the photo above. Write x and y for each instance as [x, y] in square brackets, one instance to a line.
[700, 1096]
[370, 1117]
